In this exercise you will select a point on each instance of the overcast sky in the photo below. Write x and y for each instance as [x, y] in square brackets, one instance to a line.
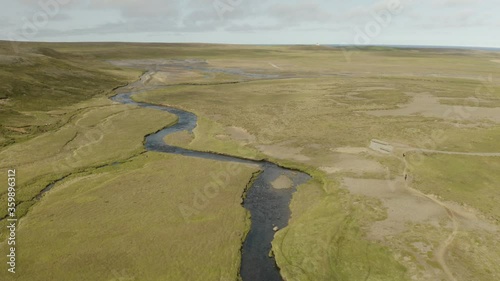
[357, 22]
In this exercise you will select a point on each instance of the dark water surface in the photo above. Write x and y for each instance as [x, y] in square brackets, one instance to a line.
[268, 206]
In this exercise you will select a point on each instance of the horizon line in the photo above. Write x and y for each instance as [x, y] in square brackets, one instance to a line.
[423, 46]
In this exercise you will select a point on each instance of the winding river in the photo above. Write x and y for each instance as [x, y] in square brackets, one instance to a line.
[268, 206]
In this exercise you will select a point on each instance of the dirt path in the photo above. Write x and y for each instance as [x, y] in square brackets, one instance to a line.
[452, 214]
[414, 149]
[484, 154]
[443, 247]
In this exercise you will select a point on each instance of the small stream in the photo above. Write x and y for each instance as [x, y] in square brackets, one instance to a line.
[269, 207]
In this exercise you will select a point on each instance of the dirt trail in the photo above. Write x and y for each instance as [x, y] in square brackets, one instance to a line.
[408, 148]
[452, 214]
[483, 154]
[443, 247]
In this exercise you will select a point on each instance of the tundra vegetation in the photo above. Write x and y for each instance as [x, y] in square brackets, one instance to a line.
[431, 214]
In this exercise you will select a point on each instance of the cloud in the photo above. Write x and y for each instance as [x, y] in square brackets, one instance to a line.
[454, 3]
[302, 11]
[245, 27]
[107, 28]
[458, 19]
[61, 17]
[245, 18]
[139, 8]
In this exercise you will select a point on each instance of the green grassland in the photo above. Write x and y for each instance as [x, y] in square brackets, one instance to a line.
[319, 104]
[84, 142]
[281, 110]
[325, 240]
[36, 79]
[125, 221]
[455, 178]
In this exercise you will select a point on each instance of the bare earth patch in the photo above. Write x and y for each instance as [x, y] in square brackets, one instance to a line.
[427, 105]
[281, 151]
[282, 182]
[369, 89]
[409, 212]
[402, 205]
[19, 130]
[240, 134]
[350, 150]
[470, 218]
[353, 163]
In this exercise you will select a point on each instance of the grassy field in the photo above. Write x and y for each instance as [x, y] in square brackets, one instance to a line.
[128, 222]
[37, 79]
[84, 142]
[276, 111]
[325, 240]
[455, 178]
[358, 219]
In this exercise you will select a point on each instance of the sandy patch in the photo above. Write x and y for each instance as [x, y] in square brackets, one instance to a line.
[330, 170]
[428, 106]
[469, 217]
[369, 89]
[497, 61]
[423, 247]
[381, 146]
[281, 151]
[354, 96]
[160, 77]
[282, 182]
[18, 130]
[354, 164]
[240, 134]
[349, 150]
[402, 205]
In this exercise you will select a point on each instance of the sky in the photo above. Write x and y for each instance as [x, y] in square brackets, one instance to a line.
[355, 22]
